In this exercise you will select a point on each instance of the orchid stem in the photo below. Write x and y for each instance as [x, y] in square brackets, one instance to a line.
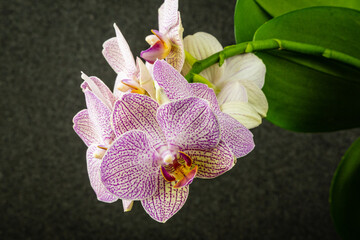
[190, 58]
[264, 45]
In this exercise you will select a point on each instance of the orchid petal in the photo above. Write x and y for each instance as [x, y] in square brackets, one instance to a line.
[118, 54]
[84, 127]
[166, 201]
[214, 162]
[93, 166]
[174, 84]
[146, 80]
[245, 67]
[99, 88]
[129, 169]
[235, 135]
[189, 124]
[202, 45]
[202, 91]
[243, 112]
[256, 97]
[137, 112]
[168, 15]
[127, 205]
[232, 91]
[99, 114]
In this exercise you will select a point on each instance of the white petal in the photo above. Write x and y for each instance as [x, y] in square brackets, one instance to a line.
[202, 45]
[242, 112]
[126, 54]
[245, 67]
[232, 91]
[256, 98]
[145, 80]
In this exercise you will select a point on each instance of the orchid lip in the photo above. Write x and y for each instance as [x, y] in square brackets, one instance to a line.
[183, 174]
[159, 49]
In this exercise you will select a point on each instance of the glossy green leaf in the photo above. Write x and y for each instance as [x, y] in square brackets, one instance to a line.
[248, 17]
[313, 94]
[278, 7]
[251, 14]
[345, 194]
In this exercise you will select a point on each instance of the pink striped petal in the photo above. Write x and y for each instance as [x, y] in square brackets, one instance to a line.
[93, 166]
[137, 112]
[189, 124]
[235, 135]
[166, 201]
[212, 163]
[202, 91]
[168, 15]
[99, 114]
[85, 128]
[118, 54]
[100, 89]
[129, 169]
[174, 84]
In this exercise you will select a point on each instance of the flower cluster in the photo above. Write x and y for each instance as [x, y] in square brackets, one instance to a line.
[155, 133]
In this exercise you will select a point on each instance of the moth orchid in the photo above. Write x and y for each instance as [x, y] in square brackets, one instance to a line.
[160, 149]
[239, 80]
[131, 77]
[93, 127]
[174, 85]
[167, 42]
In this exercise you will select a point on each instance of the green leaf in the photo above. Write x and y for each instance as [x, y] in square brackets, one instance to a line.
[248, 17]
[345, 194]
[313, 94]
[251, 14]
[278, 7]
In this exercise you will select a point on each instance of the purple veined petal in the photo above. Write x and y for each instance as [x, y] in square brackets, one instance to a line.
[99, 88]
[202, 91]
[85, 128]
[137, 112]
[100, 115]
[127, 205]
[93, 166]
[174, 84]
[168, 15]
[166, 201]
[212, 163]
[189, 124]
[235, 135]
[129, 169]
[118, 54]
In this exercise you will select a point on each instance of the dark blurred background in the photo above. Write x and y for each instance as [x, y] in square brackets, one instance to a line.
[279, 191]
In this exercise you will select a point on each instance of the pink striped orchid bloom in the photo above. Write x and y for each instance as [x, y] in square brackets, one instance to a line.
[175, 87]
[93, 127]
[131, 77]
[167, 42]
[159, 150]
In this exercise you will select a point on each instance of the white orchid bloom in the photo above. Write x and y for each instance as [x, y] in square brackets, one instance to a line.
[238, 81]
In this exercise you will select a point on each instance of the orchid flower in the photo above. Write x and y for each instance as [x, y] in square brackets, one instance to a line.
[131, 77]
[174, 85]
[239, 80]
[159, 150]
[93, 127]
[167, 42]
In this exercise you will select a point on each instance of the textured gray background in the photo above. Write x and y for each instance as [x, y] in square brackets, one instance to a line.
[279, 191]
